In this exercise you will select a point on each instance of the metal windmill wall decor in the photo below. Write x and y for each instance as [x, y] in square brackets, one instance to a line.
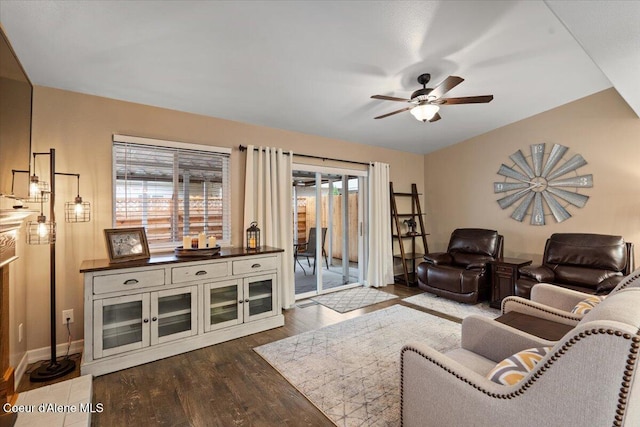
[546, 186]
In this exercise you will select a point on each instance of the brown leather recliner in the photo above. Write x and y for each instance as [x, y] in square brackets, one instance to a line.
[590, 263]
[461, 273]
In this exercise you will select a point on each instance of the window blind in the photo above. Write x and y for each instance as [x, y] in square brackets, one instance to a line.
[171, 191]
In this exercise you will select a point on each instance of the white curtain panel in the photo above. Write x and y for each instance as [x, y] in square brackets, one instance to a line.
[380, 265]
[267, 200]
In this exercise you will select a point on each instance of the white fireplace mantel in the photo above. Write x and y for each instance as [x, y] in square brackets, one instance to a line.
[10, 216]
[11, 220]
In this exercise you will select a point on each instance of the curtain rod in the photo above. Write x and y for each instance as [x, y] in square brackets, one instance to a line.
[244, 148]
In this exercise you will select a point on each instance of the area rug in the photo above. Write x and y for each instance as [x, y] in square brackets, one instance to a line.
[452, 308]
[352, 299]
[351, 370]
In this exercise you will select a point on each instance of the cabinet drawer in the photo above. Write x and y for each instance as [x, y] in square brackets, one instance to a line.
[127, 281]
[199, 272]
[507, 270]
[254, 265]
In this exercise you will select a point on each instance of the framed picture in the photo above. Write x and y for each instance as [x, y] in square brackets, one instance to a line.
[126, 244]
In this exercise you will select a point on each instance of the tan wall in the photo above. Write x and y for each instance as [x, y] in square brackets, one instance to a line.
[601, 127]
[80, 128]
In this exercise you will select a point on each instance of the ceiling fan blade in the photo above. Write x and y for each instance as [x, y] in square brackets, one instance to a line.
[444, 87]
[466, 100]
[392, 113]
[435, 118]
[390, 98]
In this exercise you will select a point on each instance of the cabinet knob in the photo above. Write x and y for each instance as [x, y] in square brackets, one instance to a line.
[154, 318]
[130, 282]
[247, 300]
[145, 320]
[201, 273]
[256, 266]
[240, 301]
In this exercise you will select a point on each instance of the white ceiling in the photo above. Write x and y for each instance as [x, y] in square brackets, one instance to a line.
[311, 66]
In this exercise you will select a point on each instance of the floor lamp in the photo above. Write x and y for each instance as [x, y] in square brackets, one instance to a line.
[43, 231]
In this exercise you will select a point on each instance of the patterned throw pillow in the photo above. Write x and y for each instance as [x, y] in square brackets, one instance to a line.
[587, 304]
[516, 367]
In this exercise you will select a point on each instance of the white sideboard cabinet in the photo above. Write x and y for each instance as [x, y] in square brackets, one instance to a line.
[140, 311]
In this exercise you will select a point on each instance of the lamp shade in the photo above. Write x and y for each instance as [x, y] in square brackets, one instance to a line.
[424, 112]
[77, 211]
[41, 232]
[38, 190]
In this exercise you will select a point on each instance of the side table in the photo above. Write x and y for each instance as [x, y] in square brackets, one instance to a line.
[504, 272]
[543, 328]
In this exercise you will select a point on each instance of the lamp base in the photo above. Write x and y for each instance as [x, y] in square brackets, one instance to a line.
[51, 371]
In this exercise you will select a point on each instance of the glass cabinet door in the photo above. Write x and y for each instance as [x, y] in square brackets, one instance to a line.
[259, 296]
[221, 305]
[174, 314]
[120, 324]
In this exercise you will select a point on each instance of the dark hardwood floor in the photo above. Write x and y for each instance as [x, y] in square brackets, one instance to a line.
[227, 384]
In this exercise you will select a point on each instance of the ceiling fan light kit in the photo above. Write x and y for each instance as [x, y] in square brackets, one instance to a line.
[424, 112]
[427, 101]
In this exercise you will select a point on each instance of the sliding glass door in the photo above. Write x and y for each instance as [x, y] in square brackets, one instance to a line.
[328, 229]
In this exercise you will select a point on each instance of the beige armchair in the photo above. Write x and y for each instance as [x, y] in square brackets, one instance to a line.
[590, 376]
[555, 303]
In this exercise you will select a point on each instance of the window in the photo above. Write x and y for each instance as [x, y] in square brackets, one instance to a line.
[171, 189]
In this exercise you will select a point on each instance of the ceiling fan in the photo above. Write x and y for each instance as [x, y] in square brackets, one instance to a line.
[426, 101]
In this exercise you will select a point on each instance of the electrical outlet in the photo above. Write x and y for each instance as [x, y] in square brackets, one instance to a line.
[67, 314]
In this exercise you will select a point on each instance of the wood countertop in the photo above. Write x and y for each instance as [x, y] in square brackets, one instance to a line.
[170, 258]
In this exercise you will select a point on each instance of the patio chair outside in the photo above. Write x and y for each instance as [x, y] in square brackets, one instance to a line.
[308, 248]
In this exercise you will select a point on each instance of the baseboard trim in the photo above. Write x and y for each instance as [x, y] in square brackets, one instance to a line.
[44, 353]
[20, 370]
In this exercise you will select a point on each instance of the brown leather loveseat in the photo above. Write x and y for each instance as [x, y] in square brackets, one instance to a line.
[590, 263]
[461, 273]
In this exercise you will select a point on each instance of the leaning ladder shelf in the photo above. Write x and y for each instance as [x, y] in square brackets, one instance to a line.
[408, 258]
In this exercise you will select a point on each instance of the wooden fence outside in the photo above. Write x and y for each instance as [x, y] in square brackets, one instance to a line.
[307, 219]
